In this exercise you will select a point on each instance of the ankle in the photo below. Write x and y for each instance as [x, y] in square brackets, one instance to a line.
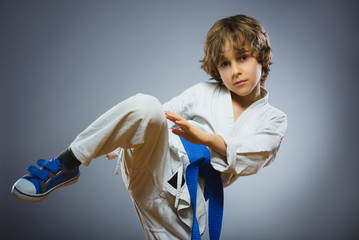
[68, 159]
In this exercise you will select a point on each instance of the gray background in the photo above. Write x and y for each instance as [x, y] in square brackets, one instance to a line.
[63, 63]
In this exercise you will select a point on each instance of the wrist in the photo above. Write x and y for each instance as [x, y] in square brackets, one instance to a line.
[210, 140]
[216, 143]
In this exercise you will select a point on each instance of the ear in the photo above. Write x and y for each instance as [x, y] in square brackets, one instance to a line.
[262, 66]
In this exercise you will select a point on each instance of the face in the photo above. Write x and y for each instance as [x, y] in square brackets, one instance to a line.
[240, 73]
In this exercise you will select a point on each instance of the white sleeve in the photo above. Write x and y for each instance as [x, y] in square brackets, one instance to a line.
[180, 104]
[247, 156]
[184, 103]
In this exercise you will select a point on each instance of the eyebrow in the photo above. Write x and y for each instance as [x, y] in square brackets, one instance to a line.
[223, 57]
[244, 52]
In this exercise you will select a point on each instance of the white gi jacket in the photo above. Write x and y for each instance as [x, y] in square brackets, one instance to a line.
[252, 141]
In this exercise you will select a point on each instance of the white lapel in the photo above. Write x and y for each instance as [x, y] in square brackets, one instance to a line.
[248, 113]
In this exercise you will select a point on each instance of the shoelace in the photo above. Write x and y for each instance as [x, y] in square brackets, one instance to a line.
[47, 167]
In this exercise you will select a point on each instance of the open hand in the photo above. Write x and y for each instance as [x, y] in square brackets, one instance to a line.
[187, 130]
[196, 135]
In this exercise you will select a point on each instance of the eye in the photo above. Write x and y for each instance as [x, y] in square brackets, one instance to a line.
[224, 64]
[243, 58]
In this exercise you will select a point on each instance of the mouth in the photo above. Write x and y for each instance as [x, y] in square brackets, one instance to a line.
[240, 82]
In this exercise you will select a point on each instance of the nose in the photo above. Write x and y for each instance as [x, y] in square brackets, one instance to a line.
[236, 69]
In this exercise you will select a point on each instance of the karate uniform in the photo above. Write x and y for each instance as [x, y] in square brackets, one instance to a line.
[152, 159]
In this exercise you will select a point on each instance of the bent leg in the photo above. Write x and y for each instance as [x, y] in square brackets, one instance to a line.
[125, 125]
[145, 170]
[139, 126]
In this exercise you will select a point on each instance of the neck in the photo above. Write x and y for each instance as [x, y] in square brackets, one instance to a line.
[246, 101]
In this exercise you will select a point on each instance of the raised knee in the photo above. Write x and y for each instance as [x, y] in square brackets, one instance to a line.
[149, 107]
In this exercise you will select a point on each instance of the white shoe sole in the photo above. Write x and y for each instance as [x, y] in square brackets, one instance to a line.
[39, 197]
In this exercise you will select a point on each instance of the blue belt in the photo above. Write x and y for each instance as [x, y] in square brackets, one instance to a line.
[200, 165]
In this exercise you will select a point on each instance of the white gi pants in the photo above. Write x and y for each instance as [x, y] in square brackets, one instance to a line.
[139, 126]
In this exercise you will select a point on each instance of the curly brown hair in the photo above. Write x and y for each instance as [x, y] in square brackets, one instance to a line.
[246, 34]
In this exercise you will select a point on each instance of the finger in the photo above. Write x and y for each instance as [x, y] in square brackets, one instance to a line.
[177, 131]
[181, 133]
[172, 116]
[178, 120]
[184, 125]
[170, 113]
[172, 119]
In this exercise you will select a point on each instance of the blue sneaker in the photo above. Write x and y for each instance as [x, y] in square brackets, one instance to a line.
[37, 185]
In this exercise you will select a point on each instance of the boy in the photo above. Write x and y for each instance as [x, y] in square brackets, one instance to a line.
[232, 117]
